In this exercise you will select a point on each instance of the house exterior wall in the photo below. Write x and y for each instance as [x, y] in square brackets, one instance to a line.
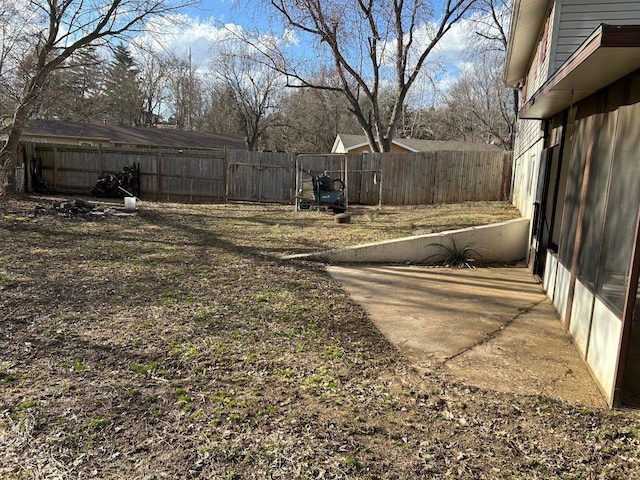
[529, 131]
[527, 150]
[568, 24]
[588, 281]
[577, 19]
[338, 146]
[529, 136]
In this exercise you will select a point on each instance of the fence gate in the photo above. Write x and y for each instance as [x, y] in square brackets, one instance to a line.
[259, 176]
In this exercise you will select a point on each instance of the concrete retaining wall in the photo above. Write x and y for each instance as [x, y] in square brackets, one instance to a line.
[498, 242]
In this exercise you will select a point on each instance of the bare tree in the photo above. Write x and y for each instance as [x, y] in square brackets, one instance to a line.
[488, 44]
[371, 44]
[491, 25]
[478, 105]
[311, 119]
[184, 89]
[57, 29]
[254, 87]
[14, 42]
[153, 84]
[220, 113]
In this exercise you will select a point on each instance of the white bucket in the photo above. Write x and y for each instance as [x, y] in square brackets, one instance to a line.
[129, 204]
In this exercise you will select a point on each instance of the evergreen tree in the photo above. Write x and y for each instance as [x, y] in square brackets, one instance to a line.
[74, 91]
[123, 96]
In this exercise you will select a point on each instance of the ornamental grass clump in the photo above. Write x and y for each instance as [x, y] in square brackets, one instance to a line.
[455, 256]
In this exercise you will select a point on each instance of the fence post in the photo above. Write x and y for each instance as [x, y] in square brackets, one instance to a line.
[433, 183]
[225, 175]
[293, 173]
[29, 155]
[380, 177]
[507, 160]
[55, 166]
[159, 168]
[101, 160]
[261, 177]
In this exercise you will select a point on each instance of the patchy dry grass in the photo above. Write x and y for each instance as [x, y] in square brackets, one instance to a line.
[279, 229]
[175, 344]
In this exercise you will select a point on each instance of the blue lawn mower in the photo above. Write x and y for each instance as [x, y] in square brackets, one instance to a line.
[326, 192]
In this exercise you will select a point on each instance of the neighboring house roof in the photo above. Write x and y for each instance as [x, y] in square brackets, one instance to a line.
[352, 142]
[139, 136]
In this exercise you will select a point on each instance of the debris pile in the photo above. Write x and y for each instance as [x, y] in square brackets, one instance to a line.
[79, 208]
[125, 182]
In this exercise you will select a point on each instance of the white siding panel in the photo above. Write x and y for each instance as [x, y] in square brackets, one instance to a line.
[529, 133]
[604, 347]
[526, 154]
[578, 18]
[560, 299]
[580, 324]
[550, 272]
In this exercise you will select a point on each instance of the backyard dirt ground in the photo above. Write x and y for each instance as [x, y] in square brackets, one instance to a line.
[174, 343]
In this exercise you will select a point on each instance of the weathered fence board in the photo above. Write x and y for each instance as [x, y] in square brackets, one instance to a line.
[234, 175]
[259, 176]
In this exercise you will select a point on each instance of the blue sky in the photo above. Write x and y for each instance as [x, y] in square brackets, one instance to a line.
[198, 29]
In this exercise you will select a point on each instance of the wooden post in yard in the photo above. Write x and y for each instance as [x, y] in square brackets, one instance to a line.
[432, 181]
[55, 166]
[225, 174]
[159, 168]
[29, 155]
[101, 160]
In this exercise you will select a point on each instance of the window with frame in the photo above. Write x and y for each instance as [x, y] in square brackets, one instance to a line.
[623, 201]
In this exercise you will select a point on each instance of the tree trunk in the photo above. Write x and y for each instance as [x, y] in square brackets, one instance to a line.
[30, 93]
[385, 143]
[9, 154]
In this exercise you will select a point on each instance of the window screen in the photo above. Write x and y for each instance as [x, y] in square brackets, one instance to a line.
[596, 199]
[622, 209]
[577, 157]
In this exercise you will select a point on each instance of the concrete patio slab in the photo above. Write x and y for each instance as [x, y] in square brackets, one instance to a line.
[491, 327]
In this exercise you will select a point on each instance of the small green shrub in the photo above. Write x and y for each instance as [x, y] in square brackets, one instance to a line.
[454, 255]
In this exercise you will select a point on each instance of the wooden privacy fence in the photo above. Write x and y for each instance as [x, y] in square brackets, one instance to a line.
[172, 175]
[417, 178]
[259, 176]
[236, 175]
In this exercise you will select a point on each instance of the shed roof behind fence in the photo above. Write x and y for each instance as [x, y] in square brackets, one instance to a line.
[134, 136]
[350, 142]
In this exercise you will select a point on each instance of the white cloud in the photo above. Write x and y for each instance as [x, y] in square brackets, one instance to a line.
[451, 49]
[447, 58]
[182, 33]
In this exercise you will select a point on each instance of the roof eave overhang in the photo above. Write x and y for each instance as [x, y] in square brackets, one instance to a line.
[608, 54]
[366, 144]
[70, 135]
[355, 146]
[526, 21]
[405, 146]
